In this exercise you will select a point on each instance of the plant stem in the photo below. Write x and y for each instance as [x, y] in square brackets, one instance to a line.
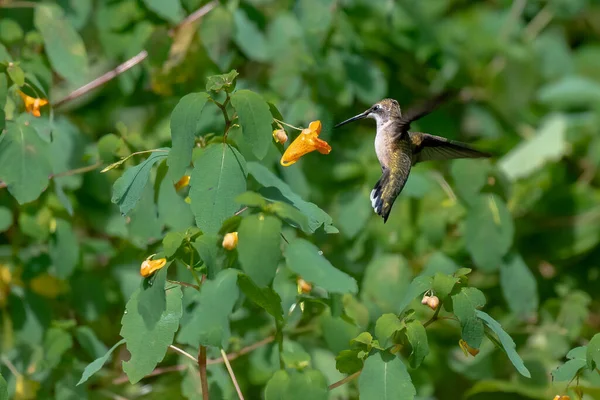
[279, 339]
[242, 351]
[202, 366]
[232, 375]
[182, 352]
[434, 317]
[286, 124]
[345, 380]
[76, 171]
[184, 284]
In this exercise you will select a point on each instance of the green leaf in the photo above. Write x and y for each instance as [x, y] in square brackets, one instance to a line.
[16, 74]
[470, 176]
[277, 190]
[63, 45]
[519, 287]
[307, 260]
[308, 384]
[56, 343]
[366, 78]
[6, 219]
[464, 306]
[294, 355]
[363, 338]
[170, 10]
[24, 164]
[385, 328]
[417, 287]
[265, 298]
[185, 126]
[219, 176]
[255, 119]
[489, 231]
[208, 247]
[128, 189]
[354, 212]
[3, 388]
[276, 388]
[172, 242]
[417, 337]
[251, 199]
[593, 352]
[290, 214]
[173, 211]
[348, 362]
[569, 92]
[506, 341]
[384, 377]
[97, 364]
[549, 144]
[259, 248]
[249, 38]
[88, 340]
[64, 249]
[443, 284]
[571, 368]
[216, 31]
[226, 82]
[209, 325]
[149, 346]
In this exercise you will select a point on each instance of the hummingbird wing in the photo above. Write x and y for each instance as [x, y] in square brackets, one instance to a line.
[428, 147]
[415, 113]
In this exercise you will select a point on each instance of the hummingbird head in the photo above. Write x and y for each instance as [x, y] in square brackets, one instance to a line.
[382, 112]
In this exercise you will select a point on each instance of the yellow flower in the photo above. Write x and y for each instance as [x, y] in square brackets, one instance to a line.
[306, 142]
[183, 182]
[32, 105]
[150, 266]
[230, 241]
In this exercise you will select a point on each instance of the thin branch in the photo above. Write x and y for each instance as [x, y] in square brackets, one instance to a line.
[182, 352]
[20, 4]
[434, 317]
[241, 352]
[75, 171]
[345, 380]
[132, 62]
[186, 285]
[11, 367]
[538, 23]
[232, 375]
[241, 210]
[158, 371]
[202, 366]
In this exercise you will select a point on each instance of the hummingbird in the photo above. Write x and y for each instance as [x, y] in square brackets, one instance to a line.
[398, 149]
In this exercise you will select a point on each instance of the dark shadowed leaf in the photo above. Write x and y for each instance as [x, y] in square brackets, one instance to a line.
[305, 259]
[266, 298]
[145, 353]
[219, 176]
[64, 249]
[464, 306]
[185, 124]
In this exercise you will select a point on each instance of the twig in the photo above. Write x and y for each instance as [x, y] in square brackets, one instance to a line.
[11, 367]
[20, 4]
[186, 285]
[232, 375]
[75, 171]
[182, 352]
[345, 380]
[538, 23]
[132, 62]
[434, 317]
[158, 371]
[202, 366]
[241, 210]
[444, 185]
[241, 352]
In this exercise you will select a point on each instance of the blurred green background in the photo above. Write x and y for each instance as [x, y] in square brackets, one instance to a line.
[527, 221]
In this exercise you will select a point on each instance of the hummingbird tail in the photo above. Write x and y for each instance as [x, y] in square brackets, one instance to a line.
[385, 192]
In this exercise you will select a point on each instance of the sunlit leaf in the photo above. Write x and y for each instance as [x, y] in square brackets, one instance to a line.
[384, 376]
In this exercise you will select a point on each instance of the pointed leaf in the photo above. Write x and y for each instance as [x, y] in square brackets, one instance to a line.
[464, 305]
[185, 124]
[97, 364]
[384, 377]
[149, 346]
[128, 189]
[152, 298]
[519, 287]
[226, 82]
[276, 388]
[348, 362]
[255, 119]
[265, 298]
[593, 352]
[170, 10]
[88, 340]
[259, 247]
[417, 287]
[219, 176]
[417, 337]
[307, 260]
[64, 249]
[506, 341]
[24, 164]
[209, 325]
[443, 284]
[62, 43]
[385, 328]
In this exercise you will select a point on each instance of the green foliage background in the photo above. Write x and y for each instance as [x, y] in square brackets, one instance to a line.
[526, 222]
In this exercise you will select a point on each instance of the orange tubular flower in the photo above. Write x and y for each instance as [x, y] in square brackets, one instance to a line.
[306, 142]
[150, 266]
[32, 105]
[183, 182]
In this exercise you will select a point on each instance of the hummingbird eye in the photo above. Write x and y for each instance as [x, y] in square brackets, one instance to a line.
[377, 107]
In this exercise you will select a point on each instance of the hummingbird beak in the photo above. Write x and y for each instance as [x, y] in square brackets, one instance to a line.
[355, 118]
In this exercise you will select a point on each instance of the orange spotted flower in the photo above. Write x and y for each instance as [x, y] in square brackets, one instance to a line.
[32, 105]
[183, 182]
[306, 142]
[150, 266]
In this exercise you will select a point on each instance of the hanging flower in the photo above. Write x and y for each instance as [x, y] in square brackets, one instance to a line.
[303, 286]
[306, 142]
[150, 266]
[467, 349]
[230, 241]
[183, 182]
[32, 105]
[280, 136]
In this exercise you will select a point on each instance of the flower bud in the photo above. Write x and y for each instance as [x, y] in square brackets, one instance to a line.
[183, 182]
[280, 136]
[230, 241]
[303, 286]
[425, 299]
[433, 302]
